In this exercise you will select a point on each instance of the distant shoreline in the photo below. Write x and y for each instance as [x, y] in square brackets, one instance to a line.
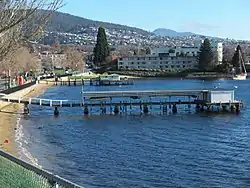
[183, 75]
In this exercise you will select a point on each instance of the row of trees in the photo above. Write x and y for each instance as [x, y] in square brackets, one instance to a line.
[20, 21]
[20, 60]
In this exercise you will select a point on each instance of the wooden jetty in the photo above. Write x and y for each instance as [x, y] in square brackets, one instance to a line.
[103, 80]
[120, 101]
[110, 79]
[91, 82]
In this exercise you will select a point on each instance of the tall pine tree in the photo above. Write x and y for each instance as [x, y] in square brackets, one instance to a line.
[101, 50]
[235, 59]
[206, 56]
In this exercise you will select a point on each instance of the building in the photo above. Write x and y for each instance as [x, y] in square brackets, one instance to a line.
[217, 48]
[48, 60]
[169, 58]
[171, 63]
[175, 51]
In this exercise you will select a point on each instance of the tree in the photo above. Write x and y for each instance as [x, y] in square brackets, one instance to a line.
[235, 59]
[182, 54]
[21, 60]
[101, 49]
[20, 21]
[74, 59]
[135, 52]
[148, 51]
[224, 67]
[206, 56]
[55, 47]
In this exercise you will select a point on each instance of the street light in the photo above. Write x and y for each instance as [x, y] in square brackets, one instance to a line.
[53, 67]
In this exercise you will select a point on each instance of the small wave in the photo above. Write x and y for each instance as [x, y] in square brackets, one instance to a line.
[21, 140]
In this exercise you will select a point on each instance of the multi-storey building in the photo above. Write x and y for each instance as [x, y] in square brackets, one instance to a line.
[158, 62]
[169, 58]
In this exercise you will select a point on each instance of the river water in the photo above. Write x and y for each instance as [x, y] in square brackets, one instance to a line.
[182, 150]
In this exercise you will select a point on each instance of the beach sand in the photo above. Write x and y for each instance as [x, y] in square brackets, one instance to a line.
[8, 119]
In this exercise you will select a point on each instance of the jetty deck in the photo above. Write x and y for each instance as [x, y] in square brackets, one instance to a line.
[143, 93]
[201, 98]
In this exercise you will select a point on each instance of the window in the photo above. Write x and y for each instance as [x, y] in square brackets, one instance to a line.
[121, 63]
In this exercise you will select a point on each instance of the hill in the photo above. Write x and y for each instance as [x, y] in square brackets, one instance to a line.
[69, 29]
[171, 33]
[64, 22]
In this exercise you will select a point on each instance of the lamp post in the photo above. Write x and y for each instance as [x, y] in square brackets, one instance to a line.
[53, 66]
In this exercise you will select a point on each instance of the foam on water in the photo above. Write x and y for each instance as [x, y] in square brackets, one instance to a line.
[21, 141]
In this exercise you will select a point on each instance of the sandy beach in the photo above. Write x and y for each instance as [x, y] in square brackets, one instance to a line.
[8, 119]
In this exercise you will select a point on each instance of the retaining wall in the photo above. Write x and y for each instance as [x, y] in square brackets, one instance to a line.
[17, 92]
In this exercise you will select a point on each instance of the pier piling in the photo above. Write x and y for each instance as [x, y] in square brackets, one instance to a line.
[26, 110]
[86, 110]
[145, 109]
[174, 109]
[56, 111]
[116, 109]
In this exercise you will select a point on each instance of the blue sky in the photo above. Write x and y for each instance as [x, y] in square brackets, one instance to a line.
[222, 18]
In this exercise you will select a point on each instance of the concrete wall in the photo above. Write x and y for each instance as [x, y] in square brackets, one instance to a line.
[16, 93]
[21, 93]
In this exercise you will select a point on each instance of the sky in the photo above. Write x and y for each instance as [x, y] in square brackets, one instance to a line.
[220, 18]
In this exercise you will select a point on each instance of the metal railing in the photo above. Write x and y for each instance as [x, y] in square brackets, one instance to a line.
[15, 173]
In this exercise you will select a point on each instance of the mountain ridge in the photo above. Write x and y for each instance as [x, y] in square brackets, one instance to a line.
[163, 32]
[65, 22]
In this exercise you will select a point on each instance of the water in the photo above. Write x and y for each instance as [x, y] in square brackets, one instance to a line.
[183, 150]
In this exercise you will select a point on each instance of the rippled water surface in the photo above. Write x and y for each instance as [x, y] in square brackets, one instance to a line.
[182, 150]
